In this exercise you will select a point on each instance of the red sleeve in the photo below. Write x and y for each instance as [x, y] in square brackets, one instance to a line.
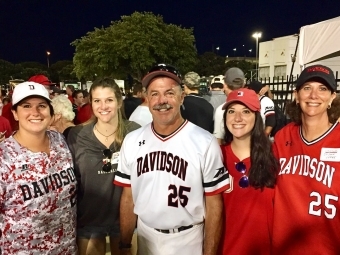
[7, 113]
[8, 128]
[84, 113]
[5, 126]
[71, 99]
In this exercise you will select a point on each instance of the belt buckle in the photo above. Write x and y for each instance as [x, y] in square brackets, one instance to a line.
[174, 230]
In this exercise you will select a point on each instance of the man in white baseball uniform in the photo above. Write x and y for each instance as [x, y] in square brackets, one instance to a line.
[173, 176]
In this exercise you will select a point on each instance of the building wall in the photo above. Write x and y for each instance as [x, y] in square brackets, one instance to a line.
[277, 53]
[275, 57]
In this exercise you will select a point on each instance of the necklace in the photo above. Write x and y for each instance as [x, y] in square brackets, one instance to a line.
[106, 136]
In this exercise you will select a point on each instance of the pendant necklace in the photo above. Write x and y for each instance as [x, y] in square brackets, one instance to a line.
[106, 136]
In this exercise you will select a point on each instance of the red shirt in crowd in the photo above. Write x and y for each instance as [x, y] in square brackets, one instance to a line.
[84, 113]
[5, 126]
[7, 113]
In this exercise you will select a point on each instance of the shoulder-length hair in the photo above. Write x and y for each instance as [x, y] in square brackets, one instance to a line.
[294, 111]
[110, 83]
[264, 166]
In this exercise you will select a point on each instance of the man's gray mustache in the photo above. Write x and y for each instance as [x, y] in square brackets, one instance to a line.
[162, 106]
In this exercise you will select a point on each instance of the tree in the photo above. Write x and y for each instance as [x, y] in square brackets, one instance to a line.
[210, 63]
[7, 70]
[62, 70]
[34, 65]
[25, 70]
[131, 46]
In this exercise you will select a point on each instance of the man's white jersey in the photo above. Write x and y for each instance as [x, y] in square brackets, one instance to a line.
[169, 176]
[218, 122]
[267, 107]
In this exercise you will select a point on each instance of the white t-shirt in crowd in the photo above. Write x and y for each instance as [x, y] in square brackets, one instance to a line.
[141, 115]
[218, 122]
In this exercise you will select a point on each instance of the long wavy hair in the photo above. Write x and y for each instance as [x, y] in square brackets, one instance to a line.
[110, 83]
[264, 166]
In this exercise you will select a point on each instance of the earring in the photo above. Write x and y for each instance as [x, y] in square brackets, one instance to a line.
[329, 107]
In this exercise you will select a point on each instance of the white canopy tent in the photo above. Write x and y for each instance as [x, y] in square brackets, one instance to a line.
[319, 41]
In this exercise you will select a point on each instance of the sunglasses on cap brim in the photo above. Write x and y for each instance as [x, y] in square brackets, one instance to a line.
[166, 68]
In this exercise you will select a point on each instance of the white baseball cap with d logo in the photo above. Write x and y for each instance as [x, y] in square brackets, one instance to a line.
[27, 89]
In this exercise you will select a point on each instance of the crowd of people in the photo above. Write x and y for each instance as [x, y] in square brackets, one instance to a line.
[183, 173]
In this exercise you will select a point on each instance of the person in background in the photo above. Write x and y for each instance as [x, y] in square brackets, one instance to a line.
[7, 113]
[179, 203]
[5, 100]
[43, 80]
[5, 128]
[142, 114]
[131, 102]
[37, 181]
[217, 96]
[123, 93]
[78, 101]
[95, 147]
[267, 107]
[233, 79]
[1, 103]
[54, 91]
[85, 111]
[195, 108]
[306, 203]
[252, 168]
[69, 92]
[63, 115]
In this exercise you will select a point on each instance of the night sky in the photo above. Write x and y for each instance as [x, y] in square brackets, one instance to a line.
[29, 28]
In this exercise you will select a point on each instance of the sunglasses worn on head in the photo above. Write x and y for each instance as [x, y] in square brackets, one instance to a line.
[166, 68]
[107, 167]
[241, 168]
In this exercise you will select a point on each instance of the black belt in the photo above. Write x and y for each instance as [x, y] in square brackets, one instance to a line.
[174, 230]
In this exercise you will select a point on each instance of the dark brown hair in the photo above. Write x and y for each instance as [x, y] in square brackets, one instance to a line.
[264, 166]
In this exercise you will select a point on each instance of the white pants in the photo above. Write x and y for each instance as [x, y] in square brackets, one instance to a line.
[152, 242]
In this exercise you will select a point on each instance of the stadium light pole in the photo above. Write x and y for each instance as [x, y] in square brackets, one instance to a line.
[257, 35]
[48, 58]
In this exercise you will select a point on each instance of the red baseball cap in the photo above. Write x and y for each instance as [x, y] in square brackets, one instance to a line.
[41, 79]
[244, 96]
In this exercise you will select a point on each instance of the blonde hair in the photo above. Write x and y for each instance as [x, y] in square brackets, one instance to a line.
[111, 84]
[62, 105]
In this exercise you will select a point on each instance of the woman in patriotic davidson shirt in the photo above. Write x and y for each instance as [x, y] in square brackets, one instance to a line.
[37, 182]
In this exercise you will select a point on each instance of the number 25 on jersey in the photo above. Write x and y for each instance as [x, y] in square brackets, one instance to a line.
[178, 195]
[325, 205]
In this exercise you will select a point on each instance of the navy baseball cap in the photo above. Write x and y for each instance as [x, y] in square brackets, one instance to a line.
[256, 86]
[317, 73]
